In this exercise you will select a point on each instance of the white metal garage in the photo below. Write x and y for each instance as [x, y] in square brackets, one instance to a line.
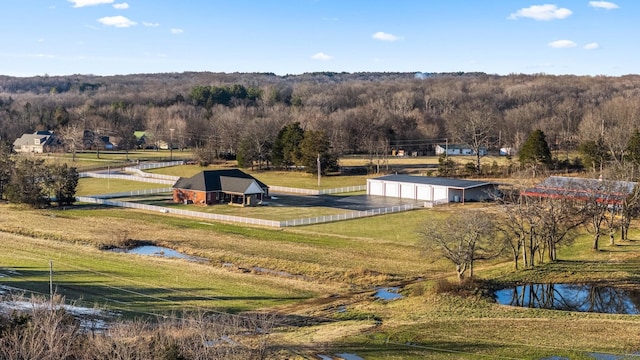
[427, 188]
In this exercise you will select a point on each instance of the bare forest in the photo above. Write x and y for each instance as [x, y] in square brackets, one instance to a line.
[358, 113]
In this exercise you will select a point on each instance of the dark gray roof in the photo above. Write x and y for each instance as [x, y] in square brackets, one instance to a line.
[232, 181]
[438, 181]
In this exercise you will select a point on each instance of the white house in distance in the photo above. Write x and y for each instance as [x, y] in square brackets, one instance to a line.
[431, 189]
[457, 149]
[38, 142]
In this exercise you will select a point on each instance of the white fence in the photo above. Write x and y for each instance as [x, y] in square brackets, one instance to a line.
[133, 193]
[244, 220]
[155, 165]
[346, 216]
[127, 177]
[317, 192]
[195, 214]
[152, 175]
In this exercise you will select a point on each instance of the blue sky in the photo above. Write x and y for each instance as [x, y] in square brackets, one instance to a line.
[108, 37]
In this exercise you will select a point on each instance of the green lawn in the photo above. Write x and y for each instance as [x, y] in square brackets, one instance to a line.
[294, 179]
[95, 186]
[136, 283]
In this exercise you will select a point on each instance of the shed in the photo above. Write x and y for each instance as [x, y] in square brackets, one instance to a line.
[209, 187]
[458, 149]
[432, 189]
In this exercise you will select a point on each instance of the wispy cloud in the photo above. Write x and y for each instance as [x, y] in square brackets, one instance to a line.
[592, 46]
[541, 12]
[562, 44]
[83, 3]
[383, 36]
[150, 24]
[321, 56]
[45, 56]
[603, 5]
[117, 21]
[121, 6]
[176, 31]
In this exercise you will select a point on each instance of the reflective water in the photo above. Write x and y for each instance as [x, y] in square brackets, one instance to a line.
[388, 293]
[572, 297]
[153, 250]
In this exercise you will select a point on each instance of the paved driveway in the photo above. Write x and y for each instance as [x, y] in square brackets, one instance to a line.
[354, 203]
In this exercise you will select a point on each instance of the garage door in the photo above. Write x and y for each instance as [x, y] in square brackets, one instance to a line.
[423, 193]
[407, 191]
[376, 188]
[440, 193]
[392, 189]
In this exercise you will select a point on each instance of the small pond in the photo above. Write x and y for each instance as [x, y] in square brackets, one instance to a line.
[153, 250]
[572, 297]
[388, 293]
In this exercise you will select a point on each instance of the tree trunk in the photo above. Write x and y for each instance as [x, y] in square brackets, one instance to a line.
[596, 239]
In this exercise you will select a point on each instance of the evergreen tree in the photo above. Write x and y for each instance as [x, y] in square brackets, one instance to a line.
[535, 150]
[6, 166]
[64, 181]
[286, 148]
[633, 148]
[30, 182]
[594, 153]
[314, 145]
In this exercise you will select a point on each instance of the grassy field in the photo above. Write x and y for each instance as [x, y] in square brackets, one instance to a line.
[95, 186]
[294, 179]
[324, 275]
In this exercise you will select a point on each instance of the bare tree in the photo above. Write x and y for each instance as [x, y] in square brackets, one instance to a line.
[473, 124]
[462, 238]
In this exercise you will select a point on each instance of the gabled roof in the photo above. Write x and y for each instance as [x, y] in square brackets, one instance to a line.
[45, 138]
[229, 181]
[436, 181]
[609, 191]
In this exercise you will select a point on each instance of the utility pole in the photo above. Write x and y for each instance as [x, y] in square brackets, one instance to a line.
[319, 170]
[171, 145]
[51, 284]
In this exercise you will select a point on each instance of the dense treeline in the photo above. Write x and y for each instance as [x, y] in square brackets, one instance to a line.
[366, 113]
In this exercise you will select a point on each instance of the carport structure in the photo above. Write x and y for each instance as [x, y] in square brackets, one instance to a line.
[432, 189]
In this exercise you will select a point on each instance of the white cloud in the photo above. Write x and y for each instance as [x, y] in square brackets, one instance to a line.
[542, 12]
[562, 44]
[121, 6]
[592, 46]
[149, 24]
[176, 31]
[603, 5]
[383, 36]
[321, 56]
[83, 3]
[46, 56]
[117, 21]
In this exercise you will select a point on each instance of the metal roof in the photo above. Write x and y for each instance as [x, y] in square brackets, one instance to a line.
[609, 191]
[436, 181]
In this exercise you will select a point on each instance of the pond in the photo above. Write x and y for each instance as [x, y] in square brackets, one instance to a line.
[153, 250]
[572, 297]
[388, 293]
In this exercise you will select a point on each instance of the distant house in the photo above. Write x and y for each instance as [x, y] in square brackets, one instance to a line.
[507, 151]
[458, 149]
[211, 187]
[432, 189]
[38, 142]
[145, 140]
